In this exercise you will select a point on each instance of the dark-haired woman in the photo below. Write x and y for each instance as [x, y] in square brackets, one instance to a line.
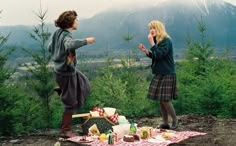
[74, 86]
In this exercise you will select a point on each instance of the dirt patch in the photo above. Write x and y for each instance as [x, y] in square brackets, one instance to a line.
[221, 132]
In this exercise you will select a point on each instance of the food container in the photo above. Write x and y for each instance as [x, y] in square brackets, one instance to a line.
[109, 111]
[121, 130]
[147, 132]
[94, 113]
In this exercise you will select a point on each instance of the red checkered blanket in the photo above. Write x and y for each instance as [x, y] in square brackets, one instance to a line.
[178, 137]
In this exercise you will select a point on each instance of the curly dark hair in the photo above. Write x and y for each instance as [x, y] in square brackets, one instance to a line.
[66, 19]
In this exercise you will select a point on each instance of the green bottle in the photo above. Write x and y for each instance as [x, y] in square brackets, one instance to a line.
[133, 129]
[111, 138]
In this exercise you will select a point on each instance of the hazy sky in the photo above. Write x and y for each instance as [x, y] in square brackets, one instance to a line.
[20, 12]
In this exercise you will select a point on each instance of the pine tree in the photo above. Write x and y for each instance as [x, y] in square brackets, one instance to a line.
[206, 81]
[200, 52]
[128, 38]
[7, 98]
[41, 73]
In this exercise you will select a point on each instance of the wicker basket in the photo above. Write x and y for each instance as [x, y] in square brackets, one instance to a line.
[103, 124]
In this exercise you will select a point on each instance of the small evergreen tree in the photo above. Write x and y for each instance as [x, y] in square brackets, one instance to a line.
[123, 89]
[205, 82]
[7, 96]
[41, 74]
[128, 38]
[200, 52]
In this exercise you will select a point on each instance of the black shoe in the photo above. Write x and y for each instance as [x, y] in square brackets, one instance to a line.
[164, 126]
[174, 125]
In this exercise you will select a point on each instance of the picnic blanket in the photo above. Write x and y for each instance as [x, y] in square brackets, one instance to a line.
[178, 137]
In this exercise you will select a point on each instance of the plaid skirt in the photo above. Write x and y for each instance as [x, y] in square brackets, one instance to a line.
[163, 88]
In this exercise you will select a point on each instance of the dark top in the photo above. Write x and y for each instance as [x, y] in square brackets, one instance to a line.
[162, 58]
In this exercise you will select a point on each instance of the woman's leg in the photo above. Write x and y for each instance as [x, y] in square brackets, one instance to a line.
[66, 126]
[66, 83]
[164, 113]
[170, 110]
[83, 88]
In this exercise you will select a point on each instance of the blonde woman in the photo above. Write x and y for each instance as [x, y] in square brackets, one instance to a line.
[163, 85]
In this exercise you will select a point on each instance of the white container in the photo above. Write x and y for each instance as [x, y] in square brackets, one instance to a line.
[121, 118]
[94, 113]
[109, 111]
[122, 130]
[121, 122]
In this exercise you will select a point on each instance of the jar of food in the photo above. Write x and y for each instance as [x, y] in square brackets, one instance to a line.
[145, 132]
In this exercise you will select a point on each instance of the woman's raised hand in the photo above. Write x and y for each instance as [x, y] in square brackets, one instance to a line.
[91, 40]
[150, 38]
[142, 47]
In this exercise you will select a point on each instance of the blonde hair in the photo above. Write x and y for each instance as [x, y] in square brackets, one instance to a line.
[160, 30]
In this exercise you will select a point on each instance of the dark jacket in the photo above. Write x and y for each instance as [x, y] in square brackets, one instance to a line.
[162, 58]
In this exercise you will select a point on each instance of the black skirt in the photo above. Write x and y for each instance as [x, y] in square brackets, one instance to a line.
[163, 88]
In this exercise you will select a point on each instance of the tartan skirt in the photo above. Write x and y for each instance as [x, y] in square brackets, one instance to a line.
[163, 88]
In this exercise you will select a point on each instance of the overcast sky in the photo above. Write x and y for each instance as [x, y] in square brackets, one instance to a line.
[20, 12]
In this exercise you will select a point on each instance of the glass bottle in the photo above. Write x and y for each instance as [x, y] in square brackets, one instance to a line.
[111, 138]
[133, 129]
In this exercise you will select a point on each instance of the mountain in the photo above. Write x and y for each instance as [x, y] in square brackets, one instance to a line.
[180, 16]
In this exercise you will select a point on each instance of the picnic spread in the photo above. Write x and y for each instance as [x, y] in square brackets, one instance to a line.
[103, 126]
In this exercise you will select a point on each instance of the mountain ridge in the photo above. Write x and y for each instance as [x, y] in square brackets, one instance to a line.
[181, 22]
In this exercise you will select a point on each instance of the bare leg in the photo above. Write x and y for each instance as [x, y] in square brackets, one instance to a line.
[170, 109]
[164, 113]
